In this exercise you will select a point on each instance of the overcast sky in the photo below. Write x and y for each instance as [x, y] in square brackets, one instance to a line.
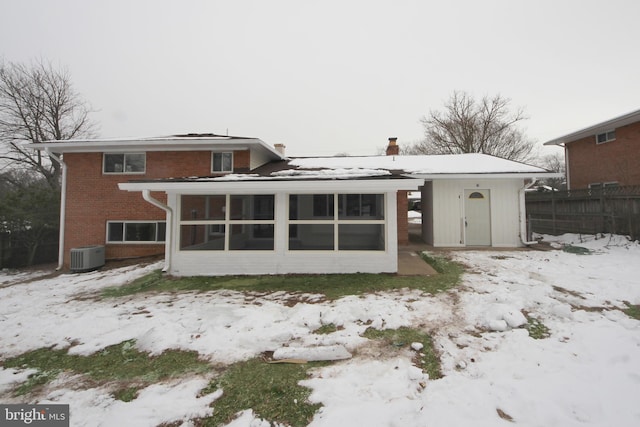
[327, 77]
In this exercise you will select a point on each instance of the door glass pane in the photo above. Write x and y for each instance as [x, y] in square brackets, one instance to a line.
[361, 237]
[311, 237]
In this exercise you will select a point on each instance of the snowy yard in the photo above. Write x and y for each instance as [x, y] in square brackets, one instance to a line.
[586, 372]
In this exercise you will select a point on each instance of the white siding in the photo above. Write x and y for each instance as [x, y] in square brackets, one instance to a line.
[283, 261]
[448, 211]
[258, 158]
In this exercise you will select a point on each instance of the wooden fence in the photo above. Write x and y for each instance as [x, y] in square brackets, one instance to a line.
[607, 210]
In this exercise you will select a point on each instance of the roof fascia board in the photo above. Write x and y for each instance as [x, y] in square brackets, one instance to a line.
[261, 187]
[614, 123]
[160, 144]
[508, 175]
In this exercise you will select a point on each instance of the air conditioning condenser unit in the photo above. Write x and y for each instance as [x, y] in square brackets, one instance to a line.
[87, 258]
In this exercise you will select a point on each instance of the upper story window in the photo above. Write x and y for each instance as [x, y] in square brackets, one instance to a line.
[607, 136]
[222, 162]
[124, 163]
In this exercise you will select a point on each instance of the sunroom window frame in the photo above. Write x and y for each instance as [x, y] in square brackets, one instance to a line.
[227, 224]
[337, 221]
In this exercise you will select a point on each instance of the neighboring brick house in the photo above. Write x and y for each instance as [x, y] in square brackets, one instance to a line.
[603, 155]
[217, 205]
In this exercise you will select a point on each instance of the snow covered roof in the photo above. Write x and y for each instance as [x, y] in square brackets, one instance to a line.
[424, 166]
[624, 120]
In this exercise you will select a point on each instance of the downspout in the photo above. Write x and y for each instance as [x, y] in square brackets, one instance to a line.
[567, 171]
[63, 206]
[523, 214]
[146, 195]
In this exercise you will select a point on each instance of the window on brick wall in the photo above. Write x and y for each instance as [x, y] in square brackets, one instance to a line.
[123, 163]
[607, 136]
[222, 162]
[136, 232]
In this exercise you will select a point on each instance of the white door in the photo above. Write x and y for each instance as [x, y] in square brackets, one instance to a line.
[477, 210]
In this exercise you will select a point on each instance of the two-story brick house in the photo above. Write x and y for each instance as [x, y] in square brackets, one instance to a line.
[95, 211]
[603, 155]
[217, 205]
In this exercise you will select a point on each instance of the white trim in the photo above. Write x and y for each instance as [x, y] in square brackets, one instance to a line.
[269, 186]
[156, 144]
[506, 175]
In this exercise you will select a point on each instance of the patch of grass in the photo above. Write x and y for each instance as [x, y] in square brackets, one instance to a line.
[632, 311]
[329, 328]
[121, 362]
[36, 380]
[271, 390]
[402, 338]
[126, 394]
[537, 330]
[333, 286]
[578, 250]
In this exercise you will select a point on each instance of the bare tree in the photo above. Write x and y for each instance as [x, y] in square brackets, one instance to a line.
[468, 126]
[554, 163]
[38, 103]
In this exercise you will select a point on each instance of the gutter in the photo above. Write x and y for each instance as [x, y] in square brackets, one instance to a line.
[146, 195]
[523, 214]
[63, 206]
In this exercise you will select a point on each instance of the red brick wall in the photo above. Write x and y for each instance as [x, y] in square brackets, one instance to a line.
[403, 218]
[615, 161]
[93, 198]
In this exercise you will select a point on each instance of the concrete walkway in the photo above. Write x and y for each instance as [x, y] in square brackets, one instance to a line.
[410, 263]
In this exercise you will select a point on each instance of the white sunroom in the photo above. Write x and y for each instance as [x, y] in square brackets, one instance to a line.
[229, 226]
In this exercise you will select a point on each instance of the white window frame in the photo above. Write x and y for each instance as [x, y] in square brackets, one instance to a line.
[135, 242]
[221, 153]
[609, 136]
[213, 226]
[336, 221]
[124, 164]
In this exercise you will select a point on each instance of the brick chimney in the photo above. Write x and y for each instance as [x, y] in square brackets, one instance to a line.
[280, 148]
[392, 148]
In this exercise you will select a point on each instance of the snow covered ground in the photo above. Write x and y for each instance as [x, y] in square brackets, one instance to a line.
[586, 373]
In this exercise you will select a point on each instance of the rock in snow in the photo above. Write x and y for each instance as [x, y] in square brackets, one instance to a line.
[514, 318]
[310, 354]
